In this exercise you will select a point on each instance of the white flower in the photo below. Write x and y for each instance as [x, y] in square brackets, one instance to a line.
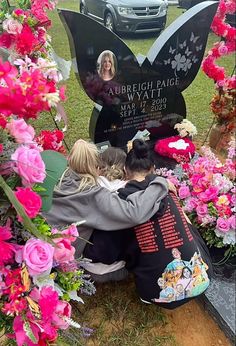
[228, 237]
[52, 98]
[186, 128]
[12, 26]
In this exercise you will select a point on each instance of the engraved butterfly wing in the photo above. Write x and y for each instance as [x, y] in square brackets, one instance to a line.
[88, 40]
[182, 44]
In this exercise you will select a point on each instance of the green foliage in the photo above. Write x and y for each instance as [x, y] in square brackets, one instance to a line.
[55, 165]
[5, 322]
[42, 226]
[70, 281]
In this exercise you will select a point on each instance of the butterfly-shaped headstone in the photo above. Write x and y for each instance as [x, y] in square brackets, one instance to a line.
[142, 92]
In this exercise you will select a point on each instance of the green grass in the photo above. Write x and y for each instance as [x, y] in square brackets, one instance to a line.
[119, 319]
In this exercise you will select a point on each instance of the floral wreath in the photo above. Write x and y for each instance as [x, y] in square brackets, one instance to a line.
[175, 147]
[228, 33]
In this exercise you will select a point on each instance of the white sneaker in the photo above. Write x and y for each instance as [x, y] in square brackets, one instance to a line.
[144, 301]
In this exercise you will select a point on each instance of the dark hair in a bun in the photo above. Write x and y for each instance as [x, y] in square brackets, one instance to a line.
[140, 148]
[139, 158]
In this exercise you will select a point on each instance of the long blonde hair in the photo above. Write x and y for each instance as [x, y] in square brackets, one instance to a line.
[106, 54]
[83, 160]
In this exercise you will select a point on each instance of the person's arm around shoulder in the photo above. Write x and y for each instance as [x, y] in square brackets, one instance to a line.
[112, 213]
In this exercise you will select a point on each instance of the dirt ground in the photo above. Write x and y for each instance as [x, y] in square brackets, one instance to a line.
[193, 326]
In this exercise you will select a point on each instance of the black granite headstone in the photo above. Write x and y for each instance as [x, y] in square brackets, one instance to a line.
[134, 93]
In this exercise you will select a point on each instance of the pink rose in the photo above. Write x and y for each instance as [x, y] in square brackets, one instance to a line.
[191, 204]
[22, 132]
[30, 200]
[202, 210]
[12, 26]
[222, 225]
[232, 222]
[29, 165]
[63, 309]
[38, 256]
[184, 192]
[64, 251]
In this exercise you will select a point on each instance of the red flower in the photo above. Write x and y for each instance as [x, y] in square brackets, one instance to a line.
[30, 200]
[26, 41]
[51, 140]
[6, 40]
[3, 121]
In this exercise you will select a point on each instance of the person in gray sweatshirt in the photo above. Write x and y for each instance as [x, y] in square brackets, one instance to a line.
[79, 197]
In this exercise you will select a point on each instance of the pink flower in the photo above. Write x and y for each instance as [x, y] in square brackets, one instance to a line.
[30, 200]
[72, 232]
[20, 333]
[12, 26]
[202, 210]
[209, 194]
[6, 249]
[184, 192]
[222, 225]
[63, 309]
[48, 301]
[232, 222]
[22, 132]
[64, 251]
[38, 256]
[29, 165]
[191, 204]
[18, 12]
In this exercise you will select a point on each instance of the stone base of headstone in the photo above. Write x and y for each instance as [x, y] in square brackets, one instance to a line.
[220, 300]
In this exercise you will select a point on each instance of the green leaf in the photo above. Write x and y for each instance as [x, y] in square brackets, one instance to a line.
[29, 332]
[55, 164]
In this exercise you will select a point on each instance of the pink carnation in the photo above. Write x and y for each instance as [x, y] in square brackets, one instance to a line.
[222, 225]
[22, 132]
[29, 165]
[38, 256]
[30, 200]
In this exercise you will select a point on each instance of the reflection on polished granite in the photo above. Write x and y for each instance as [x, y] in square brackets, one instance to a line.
[220, 300]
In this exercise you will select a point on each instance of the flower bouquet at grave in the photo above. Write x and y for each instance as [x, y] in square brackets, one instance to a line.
[207, 191]
[180, 147]
[223, 102]
[39, 274]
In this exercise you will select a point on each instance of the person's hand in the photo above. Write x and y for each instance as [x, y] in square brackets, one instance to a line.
[172, 187]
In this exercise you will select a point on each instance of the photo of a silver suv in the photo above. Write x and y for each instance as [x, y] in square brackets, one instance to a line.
[134, 16]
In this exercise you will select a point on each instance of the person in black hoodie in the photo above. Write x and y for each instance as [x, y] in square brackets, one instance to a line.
[168, 257]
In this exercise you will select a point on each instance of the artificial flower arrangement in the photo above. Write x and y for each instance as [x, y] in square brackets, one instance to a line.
[207, 191]
[180, 147]
[39, 274]
[223, 102]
